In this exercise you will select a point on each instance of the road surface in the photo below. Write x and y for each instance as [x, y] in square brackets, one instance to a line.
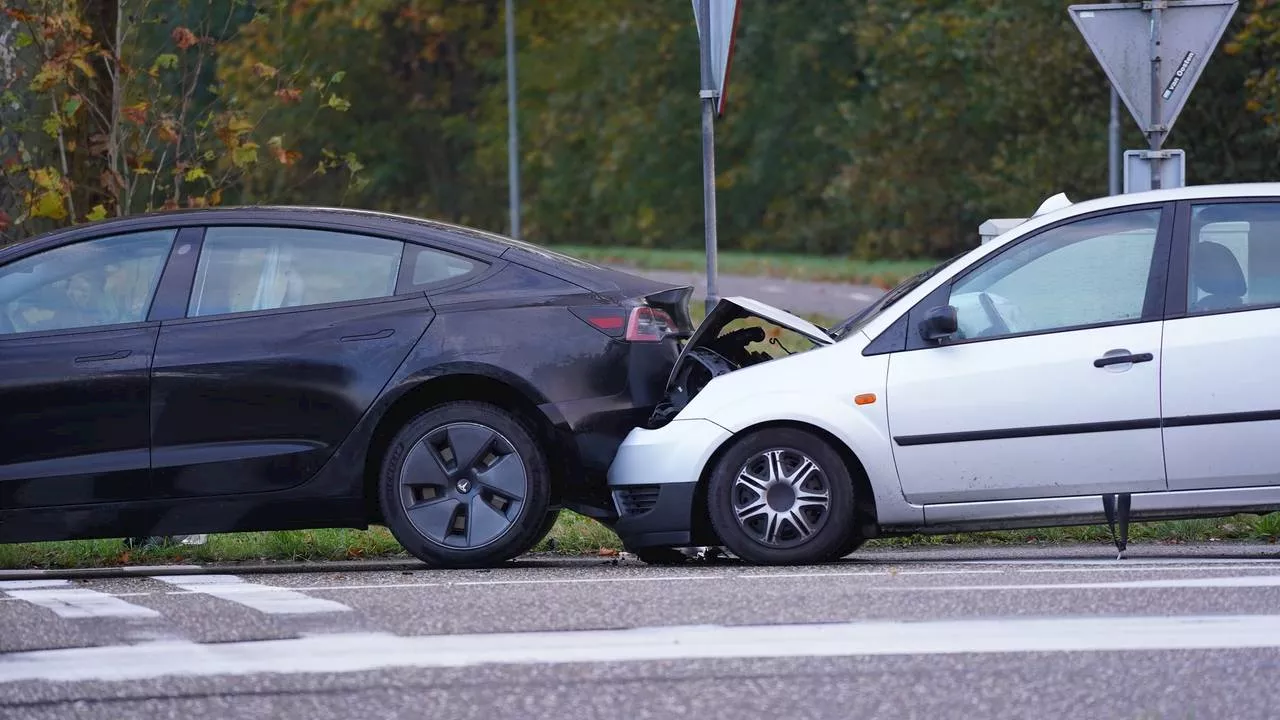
[835, 301]
[1191, 632]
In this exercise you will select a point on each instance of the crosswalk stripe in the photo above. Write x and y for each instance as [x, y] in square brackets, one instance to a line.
[79, 603]
[263, 598]
[360, 652]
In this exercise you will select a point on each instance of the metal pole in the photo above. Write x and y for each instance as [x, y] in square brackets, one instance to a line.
[708, 95]
[513, 142]
[1114, 155]
[1156, 136]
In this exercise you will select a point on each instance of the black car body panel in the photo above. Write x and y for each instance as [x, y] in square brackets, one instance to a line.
[272, 420]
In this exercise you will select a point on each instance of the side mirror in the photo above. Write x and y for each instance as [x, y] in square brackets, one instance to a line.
[939, 322]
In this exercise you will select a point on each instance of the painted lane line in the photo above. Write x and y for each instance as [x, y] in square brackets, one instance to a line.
[371, 651]
[263, 598]
[1135, 561]
[79, 603]
[1244, 581]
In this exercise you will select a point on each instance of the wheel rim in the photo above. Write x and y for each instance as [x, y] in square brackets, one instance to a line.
[781, 498]
[463, 485]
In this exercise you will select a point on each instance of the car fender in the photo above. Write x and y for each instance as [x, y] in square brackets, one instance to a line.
[862, 428]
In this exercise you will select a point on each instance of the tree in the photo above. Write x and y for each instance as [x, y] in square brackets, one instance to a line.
[114, 111]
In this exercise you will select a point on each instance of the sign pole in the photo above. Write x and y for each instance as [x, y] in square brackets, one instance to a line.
[708, 96]
[1113, 142]
[513, 139]
[1156, 137]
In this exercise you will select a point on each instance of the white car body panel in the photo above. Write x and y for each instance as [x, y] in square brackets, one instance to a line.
[1217, 365]
[1019, 384]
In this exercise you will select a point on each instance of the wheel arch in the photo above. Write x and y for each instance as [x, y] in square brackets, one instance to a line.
[864, 494]
[471, 383]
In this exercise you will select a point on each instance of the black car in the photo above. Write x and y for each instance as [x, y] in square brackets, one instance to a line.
[223, 370]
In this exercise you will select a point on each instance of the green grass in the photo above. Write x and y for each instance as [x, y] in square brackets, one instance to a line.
[882, 273]
[573, 535]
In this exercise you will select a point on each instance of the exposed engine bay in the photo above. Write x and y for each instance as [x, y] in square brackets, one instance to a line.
[729, 340]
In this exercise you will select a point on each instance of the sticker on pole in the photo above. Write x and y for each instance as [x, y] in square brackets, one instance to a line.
[1119, 35]
[724, 26]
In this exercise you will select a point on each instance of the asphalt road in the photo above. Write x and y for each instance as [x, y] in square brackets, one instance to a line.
[1169, 632]
[801, 297]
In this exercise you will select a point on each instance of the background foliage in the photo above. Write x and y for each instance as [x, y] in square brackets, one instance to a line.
[864, 128]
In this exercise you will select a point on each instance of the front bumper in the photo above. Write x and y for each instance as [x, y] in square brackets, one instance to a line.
[654, 479]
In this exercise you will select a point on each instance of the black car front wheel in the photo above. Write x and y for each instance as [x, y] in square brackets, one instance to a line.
[782, 496]
[465, 484]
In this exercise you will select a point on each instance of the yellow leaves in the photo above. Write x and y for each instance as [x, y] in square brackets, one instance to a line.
[99, 212]
[264, 70]
[46, 179]
[339, 104]
[49, 205]
[195, 173]
[164, 61]
[137, 112]
[245, 155]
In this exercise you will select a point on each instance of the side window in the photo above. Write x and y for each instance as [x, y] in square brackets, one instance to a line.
[242, 269]
[1084, 273]
[1235, 257]
[434, 266]
[108, 281]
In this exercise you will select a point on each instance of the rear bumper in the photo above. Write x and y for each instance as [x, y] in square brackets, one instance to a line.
[654, 477]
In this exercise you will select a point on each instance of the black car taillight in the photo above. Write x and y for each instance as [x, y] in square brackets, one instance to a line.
[635, 324]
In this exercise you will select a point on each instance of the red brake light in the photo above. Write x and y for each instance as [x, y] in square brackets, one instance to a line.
[649, 325]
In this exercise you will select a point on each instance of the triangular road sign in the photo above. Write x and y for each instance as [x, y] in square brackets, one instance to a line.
[724, 26]
[1120, 36]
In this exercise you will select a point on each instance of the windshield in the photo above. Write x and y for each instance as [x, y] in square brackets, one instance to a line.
[854, 322]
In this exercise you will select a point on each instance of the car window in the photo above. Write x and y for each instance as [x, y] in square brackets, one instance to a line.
[1083, 273]
[243, 269]
[433, 266]
[107, 281]
[1235, 257]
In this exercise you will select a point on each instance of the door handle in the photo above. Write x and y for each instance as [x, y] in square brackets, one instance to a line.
[381, 334]
[117, 355]
[1122, 359]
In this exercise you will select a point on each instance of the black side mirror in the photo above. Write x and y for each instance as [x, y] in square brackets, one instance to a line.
[939, 322]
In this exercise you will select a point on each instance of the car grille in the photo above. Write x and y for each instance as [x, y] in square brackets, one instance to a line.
[636, 499]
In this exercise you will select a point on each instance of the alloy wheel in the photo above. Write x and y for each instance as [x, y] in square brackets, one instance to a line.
[781, 498]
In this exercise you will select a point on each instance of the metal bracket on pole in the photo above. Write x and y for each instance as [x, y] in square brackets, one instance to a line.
[708, 94]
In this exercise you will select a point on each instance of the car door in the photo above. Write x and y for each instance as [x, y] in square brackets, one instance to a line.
[1051, 387]
[75, 353]
[289, 336]
[1220, 397]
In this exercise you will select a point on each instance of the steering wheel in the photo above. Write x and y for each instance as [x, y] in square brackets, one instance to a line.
[998, 325]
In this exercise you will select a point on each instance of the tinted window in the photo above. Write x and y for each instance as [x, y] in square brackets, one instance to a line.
[1235, 257]
[108, 281]
[433, 266]
[1084, 273]
[243, 269]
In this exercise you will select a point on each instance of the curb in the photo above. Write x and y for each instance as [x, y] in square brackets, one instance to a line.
[230, 568]
[282, 568]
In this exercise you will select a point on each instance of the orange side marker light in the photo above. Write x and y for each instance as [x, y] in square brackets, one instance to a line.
[865, 399]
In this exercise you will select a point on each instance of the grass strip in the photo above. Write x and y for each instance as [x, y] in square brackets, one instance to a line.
[572, 535]
[879, 273]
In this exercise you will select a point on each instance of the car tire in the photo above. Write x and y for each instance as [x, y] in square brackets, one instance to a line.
[466, 485]
[794, 496]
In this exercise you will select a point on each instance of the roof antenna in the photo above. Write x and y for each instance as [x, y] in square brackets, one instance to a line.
[1117, 509]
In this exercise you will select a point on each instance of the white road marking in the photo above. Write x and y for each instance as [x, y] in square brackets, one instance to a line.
[370, 651]
[79, 603]
[1245, 581]
[1189, 562]
[263, 598]
[863, 297]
